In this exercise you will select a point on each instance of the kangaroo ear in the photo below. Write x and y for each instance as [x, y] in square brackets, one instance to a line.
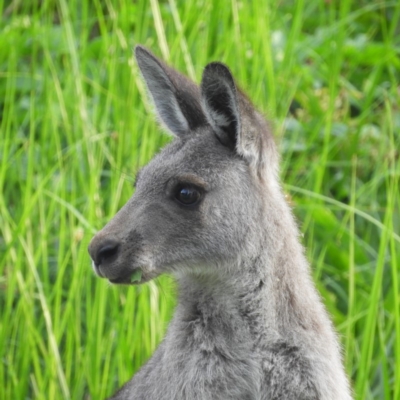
[219, 97]
[236, 122]
[177, 98]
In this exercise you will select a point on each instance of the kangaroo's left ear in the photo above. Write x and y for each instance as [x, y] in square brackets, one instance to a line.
[236, 122]
[219, 97]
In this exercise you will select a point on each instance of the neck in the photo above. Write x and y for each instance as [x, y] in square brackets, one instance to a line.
[270, 291]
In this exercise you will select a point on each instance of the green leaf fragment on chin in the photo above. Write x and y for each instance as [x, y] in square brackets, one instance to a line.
[136, 276]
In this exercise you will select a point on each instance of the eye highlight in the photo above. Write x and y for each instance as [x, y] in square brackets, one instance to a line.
[187, 195]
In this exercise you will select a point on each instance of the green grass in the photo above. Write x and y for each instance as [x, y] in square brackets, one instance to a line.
[74, 128]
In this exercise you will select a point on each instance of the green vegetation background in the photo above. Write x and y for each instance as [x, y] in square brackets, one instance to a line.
[75, 126]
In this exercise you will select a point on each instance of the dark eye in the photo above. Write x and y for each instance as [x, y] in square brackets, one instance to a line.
[187, 195]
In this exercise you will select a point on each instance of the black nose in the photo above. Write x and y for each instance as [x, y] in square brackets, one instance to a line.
[106, 252]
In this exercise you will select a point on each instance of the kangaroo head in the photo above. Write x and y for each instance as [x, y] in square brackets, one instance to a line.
[198, 202]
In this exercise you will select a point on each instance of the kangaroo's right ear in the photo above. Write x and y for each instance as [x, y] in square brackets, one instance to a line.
[177, 99]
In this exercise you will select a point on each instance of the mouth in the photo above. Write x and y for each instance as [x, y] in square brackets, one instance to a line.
[96, 270]
[134, 277]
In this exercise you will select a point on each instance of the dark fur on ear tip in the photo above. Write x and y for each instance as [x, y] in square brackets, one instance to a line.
[176, 97]
[140, 49]
[220, 70]
[142, 54]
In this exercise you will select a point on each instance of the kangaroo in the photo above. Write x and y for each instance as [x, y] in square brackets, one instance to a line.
[209, 209]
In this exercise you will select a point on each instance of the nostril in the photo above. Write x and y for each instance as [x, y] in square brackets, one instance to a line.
[107, 252]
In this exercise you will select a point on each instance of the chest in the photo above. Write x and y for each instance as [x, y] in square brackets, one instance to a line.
[213, 357]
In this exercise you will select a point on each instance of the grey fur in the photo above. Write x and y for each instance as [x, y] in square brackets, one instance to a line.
[249, 323]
